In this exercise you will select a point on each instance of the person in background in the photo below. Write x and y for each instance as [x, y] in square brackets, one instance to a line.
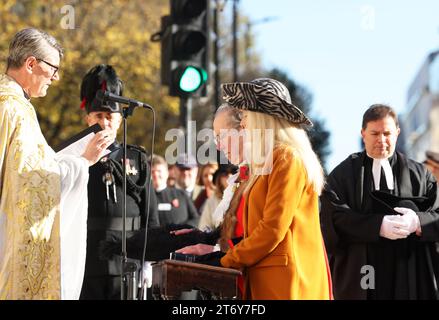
[380, 219]
[172, 175]
[174, 205]
[205, 180]
[105, 188]
[432, 163]
[187, 170]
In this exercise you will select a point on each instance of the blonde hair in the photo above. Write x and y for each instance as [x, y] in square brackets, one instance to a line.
[264, 133]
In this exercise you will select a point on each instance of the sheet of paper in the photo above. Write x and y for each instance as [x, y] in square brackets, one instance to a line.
[78, 148]
[77, 144]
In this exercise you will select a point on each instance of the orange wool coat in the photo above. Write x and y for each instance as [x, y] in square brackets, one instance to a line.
[282, 253]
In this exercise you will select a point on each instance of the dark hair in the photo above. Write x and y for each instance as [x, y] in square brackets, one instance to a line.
[202, 169]
[377, 112]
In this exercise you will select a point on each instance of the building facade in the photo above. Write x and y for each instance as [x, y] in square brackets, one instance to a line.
[420, 124]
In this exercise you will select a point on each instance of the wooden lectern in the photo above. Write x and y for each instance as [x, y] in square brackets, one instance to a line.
[171, 277]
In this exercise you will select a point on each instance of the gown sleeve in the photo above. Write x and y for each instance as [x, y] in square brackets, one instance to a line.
[73, 223]
[430, 219]
[341, 224]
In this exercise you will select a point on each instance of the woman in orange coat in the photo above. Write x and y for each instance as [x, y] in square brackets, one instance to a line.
[282, 254]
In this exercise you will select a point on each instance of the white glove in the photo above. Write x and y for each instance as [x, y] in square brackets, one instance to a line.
[394, 227]
[147, 274]
[410, 218]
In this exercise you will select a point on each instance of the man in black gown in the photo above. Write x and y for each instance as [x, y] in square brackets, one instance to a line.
[380, 219]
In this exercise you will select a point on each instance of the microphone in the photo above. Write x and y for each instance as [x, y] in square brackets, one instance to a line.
[103, 96]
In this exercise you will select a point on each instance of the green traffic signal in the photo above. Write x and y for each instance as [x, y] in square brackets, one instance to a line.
[185, 48]
[191, 79]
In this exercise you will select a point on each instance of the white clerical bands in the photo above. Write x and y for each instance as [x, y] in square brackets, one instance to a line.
[376, 172]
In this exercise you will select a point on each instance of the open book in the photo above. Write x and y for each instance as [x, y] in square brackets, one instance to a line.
[77, 144]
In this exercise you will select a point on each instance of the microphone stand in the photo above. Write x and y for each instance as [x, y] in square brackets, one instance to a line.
[143, 290]
[129, 285]
[128, 282]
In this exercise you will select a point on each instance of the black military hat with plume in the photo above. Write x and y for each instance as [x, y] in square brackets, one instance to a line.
[101, 77]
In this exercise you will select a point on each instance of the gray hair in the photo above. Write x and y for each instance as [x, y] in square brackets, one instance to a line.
[30, 42]
[235, 115]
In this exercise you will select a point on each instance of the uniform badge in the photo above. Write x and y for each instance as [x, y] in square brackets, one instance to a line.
[131, 170]
[175, 203]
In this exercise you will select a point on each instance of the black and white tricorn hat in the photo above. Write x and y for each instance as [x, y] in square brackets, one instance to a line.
[264, 95]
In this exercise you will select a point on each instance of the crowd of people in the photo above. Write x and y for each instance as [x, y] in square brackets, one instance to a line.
[369, 230]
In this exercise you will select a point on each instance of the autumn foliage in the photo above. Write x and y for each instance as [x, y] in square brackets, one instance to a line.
[114, 32]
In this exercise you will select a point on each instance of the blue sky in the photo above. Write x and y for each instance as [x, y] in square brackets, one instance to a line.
[349, 54]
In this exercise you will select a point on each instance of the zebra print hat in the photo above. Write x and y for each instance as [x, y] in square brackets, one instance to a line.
[264, 95]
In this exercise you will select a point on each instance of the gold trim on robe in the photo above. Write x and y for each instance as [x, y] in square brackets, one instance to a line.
[30, 190]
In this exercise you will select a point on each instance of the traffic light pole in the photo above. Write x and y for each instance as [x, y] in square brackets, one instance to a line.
[235, 40]
[216, 56]
[186, 118]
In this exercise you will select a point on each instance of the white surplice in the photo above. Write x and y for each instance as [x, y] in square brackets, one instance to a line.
[73, 223]
[43, 207]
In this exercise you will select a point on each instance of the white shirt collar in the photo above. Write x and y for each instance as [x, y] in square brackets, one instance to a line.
[231, 180]
[161, 188]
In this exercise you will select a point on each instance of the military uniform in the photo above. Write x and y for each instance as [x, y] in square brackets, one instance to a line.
[105, 190]
[102, 277]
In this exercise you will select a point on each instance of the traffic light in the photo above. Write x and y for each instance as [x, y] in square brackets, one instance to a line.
[185, 54]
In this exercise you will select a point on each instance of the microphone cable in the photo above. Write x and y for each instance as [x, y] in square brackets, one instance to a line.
[145, 291]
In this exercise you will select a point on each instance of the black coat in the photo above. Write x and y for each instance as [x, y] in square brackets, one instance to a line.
[175, 207]
[160, 242]
[351, 225]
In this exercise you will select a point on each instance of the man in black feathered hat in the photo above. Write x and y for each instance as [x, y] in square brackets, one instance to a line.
[105, 191]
